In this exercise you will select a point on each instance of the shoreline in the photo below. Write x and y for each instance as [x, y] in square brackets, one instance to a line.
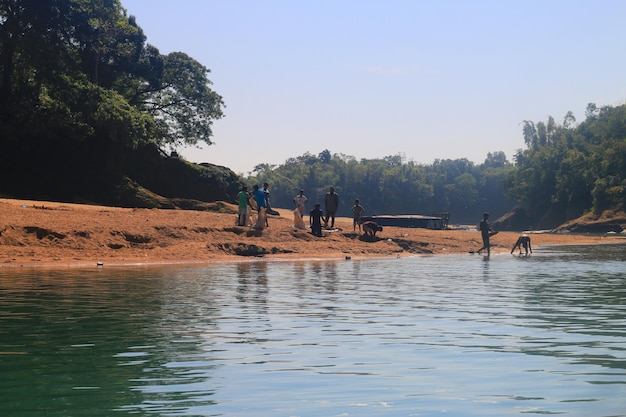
[41, 234]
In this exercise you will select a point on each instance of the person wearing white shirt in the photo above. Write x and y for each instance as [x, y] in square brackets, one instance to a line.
[300, 201]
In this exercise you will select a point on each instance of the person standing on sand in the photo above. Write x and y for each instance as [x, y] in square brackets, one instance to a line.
[268, 208]
[242, 214]
[259, 196]
[486, 233]
[315, 220]
[300, 201]
[357, 210]
[331, 202]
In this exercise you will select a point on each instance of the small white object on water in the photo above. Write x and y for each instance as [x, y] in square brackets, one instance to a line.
[100, 263]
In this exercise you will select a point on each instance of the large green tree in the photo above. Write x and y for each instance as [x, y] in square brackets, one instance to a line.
[80, 88]
[182, 102]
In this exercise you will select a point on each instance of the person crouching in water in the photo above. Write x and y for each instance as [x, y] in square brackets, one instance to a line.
[315, 220]
[522, 242]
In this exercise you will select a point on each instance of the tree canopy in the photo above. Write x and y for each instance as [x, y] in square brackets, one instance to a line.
[80, 86]
[567, 170]
[66, 57]
[391, 185]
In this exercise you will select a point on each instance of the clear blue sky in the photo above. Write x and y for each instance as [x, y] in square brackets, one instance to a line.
[428, 79]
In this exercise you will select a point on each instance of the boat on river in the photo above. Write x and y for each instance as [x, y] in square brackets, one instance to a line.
[437, 222]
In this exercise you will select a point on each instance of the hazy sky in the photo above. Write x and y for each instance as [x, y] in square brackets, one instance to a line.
[429, 79]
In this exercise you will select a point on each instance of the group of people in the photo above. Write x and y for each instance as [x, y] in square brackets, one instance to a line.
[259, 198]
[486, 232]
[331, 204]
[317, 217]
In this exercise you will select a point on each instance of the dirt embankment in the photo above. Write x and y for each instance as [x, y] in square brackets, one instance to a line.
[35, 233]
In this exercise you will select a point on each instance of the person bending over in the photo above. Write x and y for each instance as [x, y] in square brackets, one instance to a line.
[522, 242]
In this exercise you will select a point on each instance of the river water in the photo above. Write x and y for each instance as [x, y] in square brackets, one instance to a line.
[445, 335]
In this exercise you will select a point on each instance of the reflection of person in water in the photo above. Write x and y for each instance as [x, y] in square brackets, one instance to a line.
[522, 242]
[486, 233]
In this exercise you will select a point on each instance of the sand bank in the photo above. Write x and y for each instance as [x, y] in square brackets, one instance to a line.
[36, 233]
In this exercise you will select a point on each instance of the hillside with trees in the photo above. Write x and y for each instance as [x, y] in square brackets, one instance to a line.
[568, 171]
[87, 107]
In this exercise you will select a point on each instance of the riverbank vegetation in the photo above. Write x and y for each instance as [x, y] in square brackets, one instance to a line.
[569, 170]
[87, 107]
[392, 185]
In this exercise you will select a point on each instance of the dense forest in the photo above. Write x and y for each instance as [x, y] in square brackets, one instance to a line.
[565, 171]
[87, 107]
[568, 170]
[91, 112]
[391, 185]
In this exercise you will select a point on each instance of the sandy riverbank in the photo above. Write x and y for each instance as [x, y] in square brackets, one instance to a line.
[36, 233]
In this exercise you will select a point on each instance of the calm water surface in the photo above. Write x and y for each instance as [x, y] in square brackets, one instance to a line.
[426, 336]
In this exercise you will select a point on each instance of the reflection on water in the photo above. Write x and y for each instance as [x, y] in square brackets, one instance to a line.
[453, 335]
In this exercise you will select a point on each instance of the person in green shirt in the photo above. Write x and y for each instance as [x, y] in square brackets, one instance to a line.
[242, 214]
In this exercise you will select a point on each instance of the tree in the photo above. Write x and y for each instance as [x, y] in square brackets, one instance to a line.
[569, 120]
[109, 42]
[530, 133]
[79, 86]
[463, 192]
[575, 169]
[54, 42]
[182, 102]
[388, 185]
[325, 156]
[261, 169]
[495, 160]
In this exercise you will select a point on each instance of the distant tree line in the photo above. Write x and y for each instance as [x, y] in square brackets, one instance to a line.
[565, 171]
[391, 185]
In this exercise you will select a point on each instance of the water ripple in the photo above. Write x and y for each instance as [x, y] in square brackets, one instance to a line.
[454, 335]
